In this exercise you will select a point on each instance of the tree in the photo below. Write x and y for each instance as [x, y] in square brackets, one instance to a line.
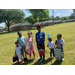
[30, 19]
[57, 18]
[10, 16]
[39, 14]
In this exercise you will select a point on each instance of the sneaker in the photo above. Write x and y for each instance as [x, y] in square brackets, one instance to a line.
[25, 59]
[17, 62]
[43, 60]
[50, 57]
[40, 59]
[23, 62]
[62, 59]
[53, 57]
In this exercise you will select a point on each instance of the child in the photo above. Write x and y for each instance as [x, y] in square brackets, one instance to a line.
[22, 42]
[40, 39]
[29, 42]
[60, 42]
[50, 44]
[18, 52]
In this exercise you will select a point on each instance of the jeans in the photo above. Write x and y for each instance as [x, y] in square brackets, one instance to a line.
[24, 51]
[52, 52]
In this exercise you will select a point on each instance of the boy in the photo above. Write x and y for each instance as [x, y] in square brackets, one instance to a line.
[50, 44]
[40, 39]
[60, 42]
[21, 40]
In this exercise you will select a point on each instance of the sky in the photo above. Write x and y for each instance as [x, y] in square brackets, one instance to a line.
[57, 12]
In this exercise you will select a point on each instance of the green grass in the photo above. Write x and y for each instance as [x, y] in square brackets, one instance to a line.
[7, 46]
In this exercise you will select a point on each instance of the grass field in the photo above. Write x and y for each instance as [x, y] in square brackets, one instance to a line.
[7, 46]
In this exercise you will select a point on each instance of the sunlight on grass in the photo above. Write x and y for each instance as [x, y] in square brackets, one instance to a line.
[7, 46]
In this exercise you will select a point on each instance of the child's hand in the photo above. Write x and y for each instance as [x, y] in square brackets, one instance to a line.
[58, 42]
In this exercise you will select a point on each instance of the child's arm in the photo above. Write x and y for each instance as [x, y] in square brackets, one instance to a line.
[56, 42]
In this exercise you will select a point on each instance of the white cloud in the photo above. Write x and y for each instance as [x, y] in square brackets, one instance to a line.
[58, 14]
[70, 10]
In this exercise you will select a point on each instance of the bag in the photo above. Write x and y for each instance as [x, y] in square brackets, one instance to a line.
[15, 58]
[28, 50]
[41, 52]
[58, 53]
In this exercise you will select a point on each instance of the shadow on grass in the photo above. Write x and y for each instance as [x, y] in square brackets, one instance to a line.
[41, 63]
[26, 62]
[16, 31]
[57, 62]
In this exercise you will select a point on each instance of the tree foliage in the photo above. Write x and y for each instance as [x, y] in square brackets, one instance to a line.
[10, 16]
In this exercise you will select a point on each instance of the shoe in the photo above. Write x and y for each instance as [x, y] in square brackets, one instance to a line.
[17, 62]
[62, 59]
[43, 60]
[23, 62]
[53, 57]
[50, 57]
[40, 59]
[25, 59]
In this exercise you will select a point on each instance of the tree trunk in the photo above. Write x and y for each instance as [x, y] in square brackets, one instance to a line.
[8, 29]
[8, 26]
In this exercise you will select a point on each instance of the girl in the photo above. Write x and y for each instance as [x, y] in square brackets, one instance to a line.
[60, 42]
[29, 42]
[18, 51]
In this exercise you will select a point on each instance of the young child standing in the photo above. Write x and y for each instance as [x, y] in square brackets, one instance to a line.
[60, 42]
[21, 40]
[29, 42]
[50, 44]
[40, 39]
[18, 52]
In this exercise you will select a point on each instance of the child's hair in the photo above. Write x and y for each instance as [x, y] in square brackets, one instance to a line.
[30, 33]
[49, 38]
[18, 32]
[16, 42]
[59, 35]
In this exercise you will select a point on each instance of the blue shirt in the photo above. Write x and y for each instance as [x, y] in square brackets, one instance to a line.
[21, 41]
[40, 37]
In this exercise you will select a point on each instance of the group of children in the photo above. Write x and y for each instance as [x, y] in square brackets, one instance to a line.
[23, 43]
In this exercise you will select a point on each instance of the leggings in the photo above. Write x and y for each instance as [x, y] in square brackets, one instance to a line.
[33, 54]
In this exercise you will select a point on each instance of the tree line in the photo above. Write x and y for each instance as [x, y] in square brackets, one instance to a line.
[13, 16]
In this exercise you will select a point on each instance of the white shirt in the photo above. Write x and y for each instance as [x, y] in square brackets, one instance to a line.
[18, 51]
[50, 44]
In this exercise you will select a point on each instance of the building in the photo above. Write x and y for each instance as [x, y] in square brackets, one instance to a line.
[20, 26]
[70, 20]
[2, 29]
[45, 23]
[48, 22]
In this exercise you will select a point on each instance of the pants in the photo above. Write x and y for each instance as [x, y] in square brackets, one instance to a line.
[52, 52]
[33, 54]
[43, 49]
[24, 51]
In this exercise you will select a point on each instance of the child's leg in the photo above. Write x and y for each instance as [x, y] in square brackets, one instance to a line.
[51, 53]
[34, 54]
[30, 55]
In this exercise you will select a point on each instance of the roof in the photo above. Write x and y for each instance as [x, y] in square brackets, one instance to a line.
[58, 21]
[48, 21]
[20, 24]
[70, 20]
[1, 28]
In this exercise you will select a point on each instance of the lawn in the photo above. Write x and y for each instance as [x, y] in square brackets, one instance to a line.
[7, 46]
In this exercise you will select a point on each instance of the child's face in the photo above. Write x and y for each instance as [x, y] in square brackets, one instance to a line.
[20, 35]
[58, 37]
[50, 39]
[39, 29]
[17, 44]
[29, 34]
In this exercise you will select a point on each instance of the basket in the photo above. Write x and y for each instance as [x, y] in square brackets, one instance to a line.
[15, 58]
[41, 52]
